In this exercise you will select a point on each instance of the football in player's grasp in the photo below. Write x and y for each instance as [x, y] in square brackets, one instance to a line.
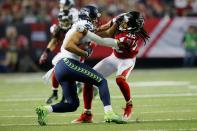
[86, 47]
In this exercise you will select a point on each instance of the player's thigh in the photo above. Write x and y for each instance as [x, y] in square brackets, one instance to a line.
[125, 67]
[106, 66]
[77, 71]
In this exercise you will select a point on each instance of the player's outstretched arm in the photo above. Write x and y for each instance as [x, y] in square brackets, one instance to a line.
[108, 29]
[109, 32]
[99, 40]
[102, 41]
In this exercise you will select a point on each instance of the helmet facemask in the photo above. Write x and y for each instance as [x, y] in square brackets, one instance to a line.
[65, 20]
[132, 22]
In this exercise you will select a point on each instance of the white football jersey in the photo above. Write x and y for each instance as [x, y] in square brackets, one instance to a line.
[84, 40]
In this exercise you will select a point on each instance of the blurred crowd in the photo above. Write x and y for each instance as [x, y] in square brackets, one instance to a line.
[31, 11]
[14, 45]
[15, 52]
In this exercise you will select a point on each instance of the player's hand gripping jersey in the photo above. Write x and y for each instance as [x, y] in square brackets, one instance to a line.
[129, 46]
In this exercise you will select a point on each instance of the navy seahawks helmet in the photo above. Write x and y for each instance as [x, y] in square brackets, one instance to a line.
[89, 13]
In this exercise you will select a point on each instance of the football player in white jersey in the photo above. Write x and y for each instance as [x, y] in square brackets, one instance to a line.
[129, 31]
[69, 69]
[66, 17]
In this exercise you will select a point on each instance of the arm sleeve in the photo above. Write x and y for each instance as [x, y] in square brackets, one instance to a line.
[102, 41]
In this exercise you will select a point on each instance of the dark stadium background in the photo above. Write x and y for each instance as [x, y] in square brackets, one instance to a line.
[44, 14]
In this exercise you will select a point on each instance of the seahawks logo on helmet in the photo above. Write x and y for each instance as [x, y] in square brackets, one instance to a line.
[89, 13]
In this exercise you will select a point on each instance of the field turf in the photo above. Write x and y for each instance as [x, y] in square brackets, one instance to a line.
[164, 100]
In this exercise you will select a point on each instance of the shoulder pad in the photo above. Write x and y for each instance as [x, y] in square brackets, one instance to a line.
[84, 23]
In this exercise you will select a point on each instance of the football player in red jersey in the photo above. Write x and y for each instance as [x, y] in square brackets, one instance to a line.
[128, 28]
[66, 17]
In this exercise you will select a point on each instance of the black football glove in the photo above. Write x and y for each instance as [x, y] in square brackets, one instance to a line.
[119, 20]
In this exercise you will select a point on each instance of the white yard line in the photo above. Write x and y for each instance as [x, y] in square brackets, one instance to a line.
[159, 95]
[160, 112]
[32, 79]
[192, 87]
[179, 129]
[137, 106]
[155, 83]
[155, 120]
[160, 83]
[98, 114]
[22, 80]
[113, 97]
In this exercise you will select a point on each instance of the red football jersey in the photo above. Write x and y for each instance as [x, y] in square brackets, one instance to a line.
[132, 50]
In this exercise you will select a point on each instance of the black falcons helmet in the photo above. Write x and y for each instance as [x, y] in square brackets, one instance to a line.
[65, 19]
[67, 4]
[134, 20]
[89, 13]
[64, 16]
